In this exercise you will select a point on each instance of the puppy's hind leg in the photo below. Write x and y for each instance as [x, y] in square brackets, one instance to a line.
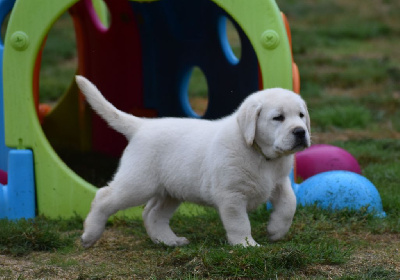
[156, 216]
[107, 202]
[100, 211]
[284, 207]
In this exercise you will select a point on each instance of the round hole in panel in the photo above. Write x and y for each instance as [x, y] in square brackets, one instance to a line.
[65, 128]
[58, 62]
[230, 40]
[194, 93]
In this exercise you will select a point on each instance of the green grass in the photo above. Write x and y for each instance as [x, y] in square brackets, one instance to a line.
[316, 239]
[21, 237]
[345, 116]
[209, 255]
[343, 53]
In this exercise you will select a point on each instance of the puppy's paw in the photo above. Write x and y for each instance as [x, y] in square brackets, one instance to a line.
[173, 242]
[250, 244]
[181, 241]
[276, 233]
[87, 242]
[246, 242]
[275, 237]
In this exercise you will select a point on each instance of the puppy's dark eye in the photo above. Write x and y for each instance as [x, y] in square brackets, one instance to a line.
[279, 118]
[301, 115]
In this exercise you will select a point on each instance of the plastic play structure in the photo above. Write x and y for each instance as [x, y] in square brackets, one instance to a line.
[142, 63]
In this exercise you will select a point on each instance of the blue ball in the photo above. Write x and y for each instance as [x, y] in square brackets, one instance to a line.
[338, 190]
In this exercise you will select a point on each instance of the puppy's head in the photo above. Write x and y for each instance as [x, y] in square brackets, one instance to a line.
[276, 121]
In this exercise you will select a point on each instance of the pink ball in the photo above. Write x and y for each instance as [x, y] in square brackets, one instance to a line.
[322, 158]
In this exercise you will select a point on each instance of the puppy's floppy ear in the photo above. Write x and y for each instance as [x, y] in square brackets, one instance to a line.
[308, 121]
[247, 119]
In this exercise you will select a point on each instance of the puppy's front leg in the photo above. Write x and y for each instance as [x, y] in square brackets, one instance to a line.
[236, 222]
[283, 201]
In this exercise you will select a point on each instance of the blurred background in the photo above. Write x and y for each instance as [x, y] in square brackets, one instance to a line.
[347, 51]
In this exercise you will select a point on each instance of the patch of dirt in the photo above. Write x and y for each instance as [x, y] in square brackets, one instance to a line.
[379, 253]
[116, 256]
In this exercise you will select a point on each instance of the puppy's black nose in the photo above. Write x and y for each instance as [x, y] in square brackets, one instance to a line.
[299, 132]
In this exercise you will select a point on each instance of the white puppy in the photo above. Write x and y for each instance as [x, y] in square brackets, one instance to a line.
[233, 164]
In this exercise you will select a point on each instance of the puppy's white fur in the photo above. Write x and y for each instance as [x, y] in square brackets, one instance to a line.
[233, 164]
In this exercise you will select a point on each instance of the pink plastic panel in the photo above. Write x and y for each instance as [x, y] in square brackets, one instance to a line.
[111, 59]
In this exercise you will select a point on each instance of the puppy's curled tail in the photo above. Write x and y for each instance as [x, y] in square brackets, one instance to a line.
[122, 122]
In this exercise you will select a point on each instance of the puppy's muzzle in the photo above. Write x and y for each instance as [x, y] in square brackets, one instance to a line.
[300, 138]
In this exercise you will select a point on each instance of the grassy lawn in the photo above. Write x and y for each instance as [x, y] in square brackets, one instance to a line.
[349, 59]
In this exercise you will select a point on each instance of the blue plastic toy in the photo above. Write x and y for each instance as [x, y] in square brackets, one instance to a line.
[337, 190]
[17, 198]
